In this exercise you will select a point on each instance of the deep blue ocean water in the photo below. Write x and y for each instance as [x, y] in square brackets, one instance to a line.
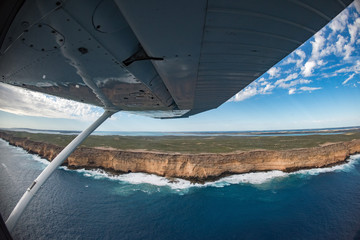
[309, 204]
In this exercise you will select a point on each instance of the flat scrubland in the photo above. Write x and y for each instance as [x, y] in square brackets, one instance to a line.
[195, 144]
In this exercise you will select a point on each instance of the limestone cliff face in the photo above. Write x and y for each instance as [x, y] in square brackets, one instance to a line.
[198, 167]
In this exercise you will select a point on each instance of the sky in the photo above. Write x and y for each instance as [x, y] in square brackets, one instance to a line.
[316, 86]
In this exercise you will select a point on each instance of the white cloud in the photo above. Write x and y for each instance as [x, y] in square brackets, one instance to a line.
[288, 78]
[348, 51]
[245, 93]
[274, 72]
[333, 66]
[328, 50]
[339, 23]
[291, 77]
[339, 44]
[261, 80]
[317, 45]
[298, 57]
[353, 69]
[263, 83]
[310, 88]
[349, 78]
[284, 84]
[258, 87]
[354, 30]
[24, 102]
[302, 56]
[308, 68]
[344, 46]
[267, 89]
[292, 91]
[321, 62]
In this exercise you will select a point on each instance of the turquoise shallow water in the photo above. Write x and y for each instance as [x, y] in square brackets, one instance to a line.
[311, 204]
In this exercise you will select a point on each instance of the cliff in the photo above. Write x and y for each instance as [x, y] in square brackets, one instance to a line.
[195, 167]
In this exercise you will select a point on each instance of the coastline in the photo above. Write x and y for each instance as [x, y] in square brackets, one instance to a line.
[199, 167]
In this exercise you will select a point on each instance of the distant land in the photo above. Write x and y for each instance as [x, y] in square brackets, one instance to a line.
[196, 133]
[202, 157]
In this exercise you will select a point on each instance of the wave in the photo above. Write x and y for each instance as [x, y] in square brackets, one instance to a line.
[18, 150]
[41, 160]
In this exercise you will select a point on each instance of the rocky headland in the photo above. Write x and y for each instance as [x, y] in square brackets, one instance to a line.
[195, 167]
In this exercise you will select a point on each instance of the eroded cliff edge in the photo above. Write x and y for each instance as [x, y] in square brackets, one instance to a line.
[195, 167]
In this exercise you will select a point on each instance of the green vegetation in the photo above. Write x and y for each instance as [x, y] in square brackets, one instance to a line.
[194, 144]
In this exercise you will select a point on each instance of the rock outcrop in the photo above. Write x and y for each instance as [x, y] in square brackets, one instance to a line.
[195, 167]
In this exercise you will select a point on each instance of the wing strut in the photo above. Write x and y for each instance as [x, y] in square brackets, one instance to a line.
[45, 174]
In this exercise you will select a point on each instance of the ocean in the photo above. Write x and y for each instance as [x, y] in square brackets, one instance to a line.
[81, 204]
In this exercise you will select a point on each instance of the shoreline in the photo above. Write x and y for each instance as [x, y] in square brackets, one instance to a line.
[199, 167]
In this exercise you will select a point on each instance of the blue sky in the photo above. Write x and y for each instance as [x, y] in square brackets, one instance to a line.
[316, 86]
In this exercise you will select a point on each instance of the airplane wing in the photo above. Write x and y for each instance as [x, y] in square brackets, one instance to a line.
[162, 58]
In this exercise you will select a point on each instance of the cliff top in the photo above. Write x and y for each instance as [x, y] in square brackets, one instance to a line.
[193, 144]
